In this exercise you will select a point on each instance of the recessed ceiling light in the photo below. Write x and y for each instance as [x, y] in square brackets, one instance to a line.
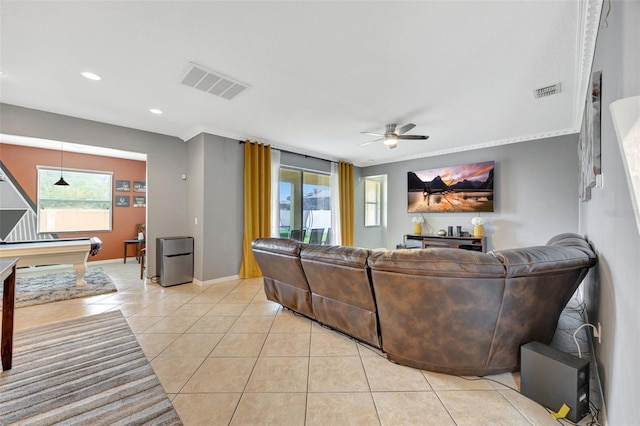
[91, 76]
[155, 111]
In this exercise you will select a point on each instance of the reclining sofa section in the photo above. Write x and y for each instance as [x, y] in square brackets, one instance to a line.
[438, 309]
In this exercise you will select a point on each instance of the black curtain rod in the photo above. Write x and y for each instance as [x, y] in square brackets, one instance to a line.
[296, 153]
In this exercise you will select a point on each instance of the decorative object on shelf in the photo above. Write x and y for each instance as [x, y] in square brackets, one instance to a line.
[417, 224]
[589, 145]
[478, 226]
[442, 232]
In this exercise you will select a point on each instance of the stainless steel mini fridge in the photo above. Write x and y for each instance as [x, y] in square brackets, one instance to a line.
[174, 257]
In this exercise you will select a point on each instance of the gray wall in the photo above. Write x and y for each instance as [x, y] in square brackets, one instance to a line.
[195, 201]
[223, 203]
[304, 162]
[608, 219]
[166, 161]
[535, 194]
[215, 198]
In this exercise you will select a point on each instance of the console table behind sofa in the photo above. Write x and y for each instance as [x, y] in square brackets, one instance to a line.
[466, 243]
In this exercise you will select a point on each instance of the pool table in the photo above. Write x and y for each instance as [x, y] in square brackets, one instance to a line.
[73, 251]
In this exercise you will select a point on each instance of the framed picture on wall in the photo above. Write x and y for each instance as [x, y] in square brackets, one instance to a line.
[123, 185]
[589, 140]
[122, 201]
[139, 201]
[139, 186]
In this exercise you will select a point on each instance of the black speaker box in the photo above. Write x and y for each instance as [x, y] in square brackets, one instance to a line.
[552, 378]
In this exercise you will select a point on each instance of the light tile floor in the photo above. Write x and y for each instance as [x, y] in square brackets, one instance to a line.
[228, 356]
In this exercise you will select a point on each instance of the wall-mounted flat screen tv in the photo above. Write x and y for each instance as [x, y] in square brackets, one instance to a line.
[464, 188]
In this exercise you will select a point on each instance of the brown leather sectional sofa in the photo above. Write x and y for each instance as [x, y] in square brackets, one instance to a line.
[445, 310]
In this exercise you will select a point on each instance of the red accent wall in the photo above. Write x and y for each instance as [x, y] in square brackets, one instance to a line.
[21, 161]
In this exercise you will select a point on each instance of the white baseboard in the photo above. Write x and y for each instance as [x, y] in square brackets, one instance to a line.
[215, 281]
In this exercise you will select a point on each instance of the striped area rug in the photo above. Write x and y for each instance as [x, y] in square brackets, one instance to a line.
[88, 371]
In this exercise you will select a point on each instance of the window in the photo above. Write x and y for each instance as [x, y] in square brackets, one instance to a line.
[305, 205]
[372, 201]
[84, 205]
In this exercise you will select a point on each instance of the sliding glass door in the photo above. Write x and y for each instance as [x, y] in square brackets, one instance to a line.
[305, 205]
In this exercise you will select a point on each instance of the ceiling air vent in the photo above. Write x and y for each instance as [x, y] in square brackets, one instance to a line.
[212, 82]
[547, 91]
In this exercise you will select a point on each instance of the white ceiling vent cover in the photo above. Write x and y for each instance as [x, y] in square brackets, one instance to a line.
[547, 91]
[212, 82]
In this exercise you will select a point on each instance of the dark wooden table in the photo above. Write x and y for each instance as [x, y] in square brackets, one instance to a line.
[8, 276]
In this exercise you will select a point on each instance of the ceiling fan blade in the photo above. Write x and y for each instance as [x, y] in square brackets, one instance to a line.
[369, 142]
[373, 134]
[413, 137]
[406, 128]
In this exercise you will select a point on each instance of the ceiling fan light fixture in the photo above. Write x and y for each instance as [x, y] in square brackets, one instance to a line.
[91, 76]
[390, 140]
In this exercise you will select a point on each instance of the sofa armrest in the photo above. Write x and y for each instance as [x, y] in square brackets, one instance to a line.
[278, 245]
[576, 241]
[562, 253]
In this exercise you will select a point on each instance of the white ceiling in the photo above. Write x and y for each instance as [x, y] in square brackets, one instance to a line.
[320, 73]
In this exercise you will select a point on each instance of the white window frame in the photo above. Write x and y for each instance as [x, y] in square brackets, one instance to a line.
[373, 201]
[47, 176]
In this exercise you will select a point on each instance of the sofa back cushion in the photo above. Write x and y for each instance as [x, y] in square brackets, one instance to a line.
[284, 279]
[340, 273]
[342, 295]
[443, 262]
[438, 307]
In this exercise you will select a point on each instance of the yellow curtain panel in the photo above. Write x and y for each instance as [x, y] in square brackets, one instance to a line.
[345, 181]
[257, 203]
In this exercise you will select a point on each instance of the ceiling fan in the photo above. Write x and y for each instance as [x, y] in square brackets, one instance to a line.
[391, 136]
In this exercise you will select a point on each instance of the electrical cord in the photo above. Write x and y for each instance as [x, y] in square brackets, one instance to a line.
[579, 309]
[594, 413]
[595, 334]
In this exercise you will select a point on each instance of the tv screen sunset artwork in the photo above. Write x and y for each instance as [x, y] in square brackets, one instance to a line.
[463, 188]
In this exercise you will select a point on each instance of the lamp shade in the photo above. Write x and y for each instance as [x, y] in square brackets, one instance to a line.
[61, 182]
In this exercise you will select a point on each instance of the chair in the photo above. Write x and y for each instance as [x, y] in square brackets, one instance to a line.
[296, 234]
[138, 241]
[143, 252]
[328, 241]
[316, 236]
